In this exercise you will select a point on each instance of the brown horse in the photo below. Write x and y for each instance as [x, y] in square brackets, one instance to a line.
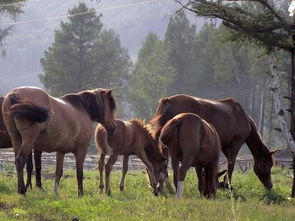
[131, 137]
[193, 142]
[37, 120]
[5, 142]
[233, 125]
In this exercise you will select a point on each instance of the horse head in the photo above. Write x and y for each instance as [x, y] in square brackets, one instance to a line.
[262, 169]
[101, 106]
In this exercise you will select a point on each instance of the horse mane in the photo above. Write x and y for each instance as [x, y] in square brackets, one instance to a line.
[152, 149]
[162, 115]
[91, 101]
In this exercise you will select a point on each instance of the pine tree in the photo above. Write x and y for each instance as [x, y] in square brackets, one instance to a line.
[152, 76]
[83, 55]
[180, 39]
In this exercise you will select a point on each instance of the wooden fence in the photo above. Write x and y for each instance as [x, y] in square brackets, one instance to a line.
[91, 162]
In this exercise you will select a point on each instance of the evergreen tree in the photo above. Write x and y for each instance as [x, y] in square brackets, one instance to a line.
[151, 77]
[180, 39]
[83, 55]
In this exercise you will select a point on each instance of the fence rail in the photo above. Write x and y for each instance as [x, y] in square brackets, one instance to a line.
[91, 162]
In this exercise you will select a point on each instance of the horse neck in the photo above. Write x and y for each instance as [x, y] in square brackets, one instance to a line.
[151, 148]
[255, 144]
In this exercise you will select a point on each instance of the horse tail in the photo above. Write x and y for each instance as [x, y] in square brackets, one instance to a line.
[28, 110]
[101, 141]
[169, 129]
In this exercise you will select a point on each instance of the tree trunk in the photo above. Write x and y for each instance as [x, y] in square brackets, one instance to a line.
[270, 120]
[275, 87]
[261, 112]
[293, 110]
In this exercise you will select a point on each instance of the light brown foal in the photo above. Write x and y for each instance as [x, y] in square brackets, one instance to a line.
[131, 137]
[193, 143]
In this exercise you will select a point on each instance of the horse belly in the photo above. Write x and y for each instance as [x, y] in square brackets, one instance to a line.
[52, 143]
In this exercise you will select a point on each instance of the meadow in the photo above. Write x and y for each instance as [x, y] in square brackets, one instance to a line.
[249, 201]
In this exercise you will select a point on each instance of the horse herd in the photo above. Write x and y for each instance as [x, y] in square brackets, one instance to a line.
[191, 130]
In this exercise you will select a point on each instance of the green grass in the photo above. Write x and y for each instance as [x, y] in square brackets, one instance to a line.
[249, 202]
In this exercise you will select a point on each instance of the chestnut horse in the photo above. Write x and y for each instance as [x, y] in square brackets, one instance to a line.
[194, 143]
[36, 120]
[5, 142]
[233, 125]
[131, 137]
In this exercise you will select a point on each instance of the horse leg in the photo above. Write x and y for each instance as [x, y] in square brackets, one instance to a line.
[20, 160]
[210, 180]
[175, 168]
[108, 169]
[29, 167]
[58, 170]
[124, 171]
[80, 157]
[233, 152]
[37, 158]
[142, 156]
[182, 174]
[201, 180]
[100, 169]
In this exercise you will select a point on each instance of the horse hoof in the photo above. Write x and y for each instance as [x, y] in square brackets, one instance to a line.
[155, 192]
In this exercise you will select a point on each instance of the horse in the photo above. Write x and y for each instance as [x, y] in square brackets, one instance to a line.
[5, 142]
[36, 120]
[131, 137]
[194, 143]
[233, 125]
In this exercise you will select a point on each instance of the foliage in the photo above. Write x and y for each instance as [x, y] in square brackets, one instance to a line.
[83, 55]
[151, 77]
[257, 21]
[10, 8]
[138, 203]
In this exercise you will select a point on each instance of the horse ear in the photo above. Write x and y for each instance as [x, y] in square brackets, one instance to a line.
[164, 100]
[273, 151]
[109, 92]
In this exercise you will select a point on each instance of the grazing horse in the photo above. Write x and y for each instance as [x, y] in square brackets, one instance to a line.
[5, 142]
[131, 137]
[36, 120]
[233, 125]
[193, 142]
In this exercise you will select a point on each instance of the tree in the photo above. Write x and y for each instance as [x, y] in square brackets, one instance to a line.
[83, 55]
[258, 22]
[152, 76]
[180, 39]
[11, 8]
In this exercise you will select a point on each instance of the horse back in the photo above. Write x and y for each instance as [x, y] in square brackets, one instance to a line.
[227, 116]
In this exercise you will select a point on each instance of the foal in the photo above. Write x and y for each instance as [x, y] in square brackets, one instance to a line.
[194, 143]
[131, 137]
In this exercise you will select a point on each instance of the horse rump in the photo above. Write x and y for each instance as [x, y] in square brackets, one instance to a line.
[168, 130]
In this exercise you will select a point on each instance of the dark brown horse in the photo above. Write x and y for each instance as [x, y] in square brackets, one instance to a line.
[193, 143]
[233, 125]
[36, 120]
[5, 142]
[131, 137]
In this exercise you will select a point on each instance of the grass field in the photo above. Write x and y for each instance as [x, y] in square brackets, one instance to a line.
[249, 202]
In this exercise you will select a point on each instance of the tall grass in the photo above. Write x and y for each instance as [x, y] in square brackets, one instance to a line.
[249, 201]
